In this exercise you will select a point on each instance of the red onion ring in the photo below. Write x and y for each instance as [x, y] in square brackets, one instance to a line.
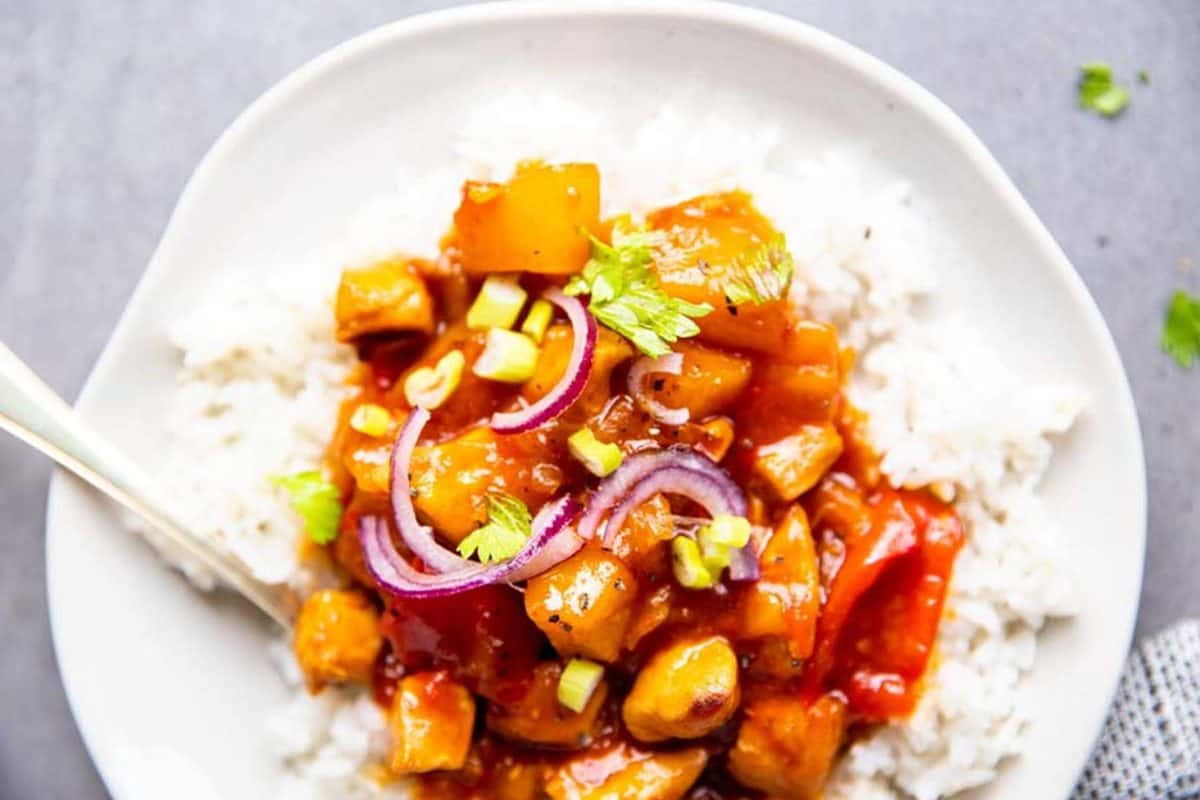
[417, 537]
[420, 538]
[574, 379]
[675, 471]
[396, 576]
[616, 486]
[670, 364]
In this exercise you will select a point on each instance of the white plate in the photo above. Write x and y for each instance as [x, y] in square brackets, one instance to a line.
[170, 692]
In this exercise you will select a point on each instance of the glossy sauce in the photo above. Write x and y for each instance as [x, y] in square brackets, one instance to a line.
[884, 555]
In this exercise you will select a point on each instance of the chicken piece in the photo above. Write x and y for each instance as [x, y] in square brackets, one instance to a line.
[651, 613]
[687, 690]
[584, 605]
[707, 238]
[793, 464]
[713, 438]
[337, 638]
[451, 480]
[642, 540]
[785, 600]
[708, 383]
[386, 297]
[624, 772]
[534, 223]
[799, 386]
[786, 745]
[539, 718]
[431, 723]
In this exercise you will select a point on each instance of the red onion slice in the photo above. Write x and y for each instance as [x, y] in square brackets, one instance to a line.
[568, 389]
[676, 471]
[396, 576]
[418, 538]
[670, 364]
[712, 495]
[615, 487]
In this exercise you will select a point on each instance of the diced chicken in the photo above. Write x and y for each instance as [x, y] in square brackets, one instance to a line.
[652, 611]
[337, 638]
[540, 719]
[584, 605]
[706, 239]
[625, 772]
[450, 480]
[684, 691]
[786, 745]
[533, 223]
[386, 297]
[431, 723]
[708, 383]
[798, 389]
[714, 438]
[793, 464]
[785, 600]
[642, 540]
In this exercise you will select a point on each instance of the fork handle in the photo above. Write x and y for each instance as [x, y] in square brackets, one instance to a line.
[31, 411]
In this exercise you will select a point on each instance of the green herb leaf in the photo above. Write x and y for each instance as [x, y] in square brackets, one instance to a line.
[761, 274]
[625, 295]
[317, 501]
[508, 527]
[1098, 92]
[1181, 329]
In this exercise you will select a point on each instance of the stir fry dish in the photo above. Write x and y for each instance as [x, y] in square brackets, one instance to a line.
[608, 524]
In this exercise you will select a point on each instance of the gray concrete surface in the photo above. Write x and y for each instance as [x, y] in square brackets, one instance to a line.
[108, 104]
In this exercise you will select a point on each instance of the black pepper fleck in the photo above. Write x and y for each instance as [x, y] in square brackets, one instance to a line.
[658, 384]
[553, 618]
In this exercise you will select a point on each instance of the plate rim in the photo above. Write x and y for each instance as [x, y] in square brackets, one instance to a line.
[789, 31]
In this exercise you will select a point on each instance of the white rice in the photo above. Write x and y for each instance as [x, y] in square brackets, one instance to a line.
[261, 379]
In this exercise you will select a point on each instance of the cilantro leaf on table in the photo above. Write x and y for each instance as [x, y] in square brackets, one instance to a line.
[761, 274]
[1098, 92]
[1181, 329]
[508, 527]
[317, 501]
[625, 295]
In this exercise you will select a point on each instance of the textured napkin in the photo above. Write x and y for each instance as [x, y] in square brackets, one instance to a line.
[1150, 747]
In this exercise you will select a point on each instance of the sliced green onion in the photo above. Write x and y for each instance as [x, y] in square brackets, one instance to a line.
[507, 356]
[716, 556]
[371, 419]
[497, 305]
[727, 530]
[430, 387]
[688, 565]
[578, 683]
[537, 320]
[600, 458]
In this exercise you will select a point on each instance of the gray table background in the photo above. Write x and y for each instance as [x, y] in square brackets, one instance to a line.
[108, 104]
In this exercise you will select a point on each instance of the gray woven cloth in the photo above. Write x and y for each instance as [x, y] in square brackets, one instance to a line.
[1150, 747]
